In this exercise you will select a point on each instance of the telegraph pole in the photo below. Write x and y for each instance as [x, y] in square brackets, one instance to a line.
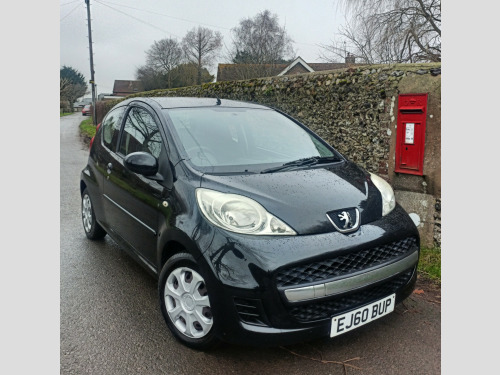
[92, 82]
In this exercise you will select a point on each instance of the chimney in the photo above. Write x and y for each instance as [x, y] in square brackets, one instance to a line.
[350, 58]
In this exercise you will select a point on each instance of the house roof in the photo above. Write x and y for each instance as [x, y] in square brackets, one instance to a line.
[127, 87]
[298, 63]
[232, 72]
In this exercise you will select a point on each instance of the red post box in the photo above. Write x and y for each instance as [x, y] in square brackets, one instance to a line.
[410, 134]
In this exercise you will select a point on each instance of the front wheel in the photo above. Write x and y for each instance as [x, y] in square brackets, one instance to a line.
[185, 302]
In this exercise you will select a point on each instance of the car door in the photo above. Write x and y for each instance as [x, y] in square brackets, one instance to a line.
[133, 200]
[103, 154]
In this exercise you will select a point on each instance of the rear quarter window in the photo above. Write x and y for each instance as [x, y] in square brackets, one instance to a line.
[111, 127]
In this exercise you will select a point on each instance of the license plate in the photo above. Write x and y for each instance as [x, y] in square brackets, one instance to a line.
[356, 318]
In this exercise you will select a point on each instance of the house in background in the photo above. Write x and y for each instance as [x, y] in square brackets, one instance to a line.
[125, 88]
[231, 72]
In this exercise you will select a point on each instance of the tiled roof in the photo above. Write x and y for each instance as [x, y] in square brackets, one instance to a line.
[232, 72]
[124, 87]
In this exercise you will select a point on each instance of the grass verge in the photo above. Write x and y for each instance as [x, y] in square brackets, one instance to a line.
[87, 129]
[65, 114]
[429, 265]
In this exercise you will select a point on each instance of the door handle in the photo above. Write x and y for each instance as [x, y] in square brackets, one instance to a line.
[110, 168]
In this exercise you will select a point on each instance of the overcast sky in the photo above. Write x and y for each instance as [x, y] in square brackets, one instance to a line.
[122, 30]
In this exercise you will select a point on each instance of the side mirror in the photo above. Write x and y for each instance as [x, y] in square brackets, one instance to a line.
[141, 163]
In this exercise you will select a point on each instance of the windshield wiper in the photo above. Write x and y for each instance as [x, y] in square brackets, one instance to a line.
[313, 160]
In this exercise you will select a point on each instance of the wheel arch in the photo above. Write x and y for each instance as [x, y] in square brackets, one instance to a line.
[83, 186]
[173, 242]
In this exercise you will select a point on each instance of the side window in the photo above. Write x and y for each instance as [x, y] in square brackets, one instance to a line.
[111, 127]
[140, 133]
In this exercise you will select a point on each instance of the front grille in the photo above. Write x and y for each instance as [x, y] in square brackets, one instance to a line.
[250, 311]
[344, 264]
[326, 309]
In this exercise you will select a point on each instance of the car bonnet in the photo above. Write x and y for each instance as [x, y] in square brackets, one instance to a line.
[302, 198]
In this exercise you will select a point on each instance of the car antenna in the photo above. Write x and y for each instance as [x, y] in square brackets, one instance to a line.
[218, 101]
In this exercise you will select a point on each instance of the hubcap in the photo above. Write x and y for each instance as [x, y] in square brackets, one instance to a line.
[87, 213]
[187, 303]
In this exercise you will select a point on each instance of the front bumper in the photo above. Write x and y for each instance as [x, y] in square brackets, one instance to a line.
[286, 289]
[263, 335]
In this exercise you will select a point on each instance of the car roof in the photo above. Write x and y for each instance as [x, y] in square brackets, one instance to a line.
[187, 102]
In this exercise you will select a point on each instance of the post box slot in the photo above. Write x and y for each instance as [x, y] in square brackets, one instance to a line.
[412, 110]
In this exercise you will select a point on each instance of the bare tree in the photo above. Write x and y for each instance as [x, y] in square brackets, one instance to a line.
[72, 85]
[201, 45]
[63, 87]
[189, 75]
[261, 41]
[163, 56]
[71, 91]
[388, 31]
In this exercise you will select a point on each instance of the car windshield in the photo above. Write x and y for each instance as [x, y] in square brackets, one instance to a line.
[243, 139]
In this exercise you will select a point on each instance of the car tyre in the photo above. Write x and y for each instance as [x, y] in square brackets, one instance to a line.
[93, 230]
[185, 303]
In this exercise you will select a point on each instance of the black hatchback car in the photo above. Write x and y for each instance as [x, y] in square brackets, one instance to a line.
[257, 230]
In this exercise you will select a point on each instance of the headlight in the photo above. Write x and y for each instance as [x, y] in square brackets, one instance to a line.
[239, 214]
[388, 199]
